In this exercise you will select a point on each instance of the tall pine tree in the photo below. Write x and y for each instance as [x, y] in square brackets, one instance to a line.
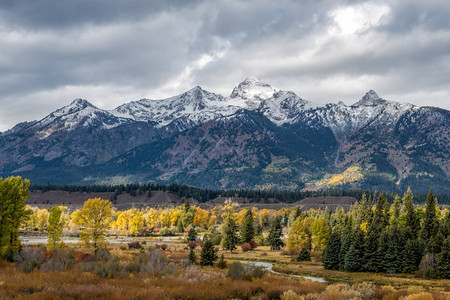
[248, 231]
[373, 257]
[430, 223]
[444, 260]
[208, 254]
[274, 238]
[412, 223]
[330, 255]
[230, 238]
[354, 258]
[346, 241]
[393, 258]
[412, 254]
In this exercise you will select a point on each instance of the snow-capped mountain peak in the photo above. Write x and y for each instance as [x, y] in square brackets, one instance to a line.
[371, 98]
[253, 89]
[80, 112]
[75, 106]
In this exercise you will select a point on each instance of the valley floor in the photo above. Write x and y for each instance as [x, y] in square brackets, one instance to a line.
[183, 281]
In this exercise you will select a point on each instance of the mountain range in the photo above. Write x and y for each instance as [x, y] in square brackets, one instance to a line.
[259, 137]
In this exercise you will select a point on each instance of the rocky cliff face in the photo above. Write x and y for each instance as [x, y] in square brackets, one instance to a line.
[258, 137]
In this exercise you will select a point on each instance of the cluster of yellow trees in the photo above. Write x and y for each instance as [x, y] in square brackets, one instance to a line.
[132, 221]
[309, 230]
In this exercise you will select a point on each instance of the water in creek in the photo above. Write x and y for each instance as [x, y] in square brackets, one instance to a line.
[269, 267]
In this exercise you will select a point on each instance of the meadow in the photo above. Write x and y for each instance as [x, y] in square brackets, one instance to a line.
[151, 273]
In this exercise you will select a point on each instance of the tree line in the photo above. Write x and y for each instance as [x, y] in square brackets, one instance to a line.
[204, 195]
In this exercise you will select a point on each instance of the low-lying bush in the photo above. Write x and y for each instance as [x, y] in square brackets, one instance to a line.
[246, 247]
[240, 271]
[134, 245]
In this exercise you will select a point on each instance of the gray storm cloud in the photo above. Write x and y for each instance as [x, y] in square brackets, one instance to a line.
[110, 52]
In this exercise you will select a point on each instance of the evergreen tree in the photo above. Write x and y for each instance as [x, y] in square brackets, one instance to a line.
[208, 254]
[411, 256]
[436, 243]
[379, 260]
[192, 258]
[354, 261]
[444, 260]
[446, 224]
[393, 258]
[330, 255]
[396, 207]
[55, 228]
[274, 238]
[230, 238]
[222, 263]
[258, 230]
[430, 223]
[304, 255]
[363, 211]
[372, 242]
[411, 216]
[180, 227]
[346, 242]
[248, 231]
[192, 234]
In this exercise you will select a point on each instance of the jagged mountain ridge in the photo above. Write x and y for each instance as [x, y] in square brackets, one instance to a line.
[198, 137]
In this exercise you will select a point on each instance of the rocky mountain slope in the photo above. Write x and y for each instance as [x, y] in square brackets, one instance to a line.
[258, 137]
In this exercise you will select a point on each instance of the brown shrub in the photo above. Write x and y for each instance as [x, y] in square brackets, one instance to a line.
[192, 244]
[134, 245]
[290, 252]
[246, 247]
[161, 246]
[419, 296]
[82, 256]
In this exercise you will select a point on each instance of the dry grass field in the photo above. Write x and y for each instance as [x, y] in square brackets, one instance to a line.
[184, 281]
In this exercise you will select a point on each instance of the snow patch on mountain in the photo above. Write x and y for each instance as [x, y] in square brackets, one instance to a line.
[369, 110]
[199, 106]
[78, 113]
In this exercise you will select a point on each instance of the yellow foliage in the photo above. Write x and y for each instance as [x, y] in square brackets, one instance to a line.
[201, 217]
[136, 222]
[175, 215]
[320, 232]
[152, 217]
[363, 226]
[212, 220]
[240, 217]
[95, 217]
[164, 218]
[122, 221]
[419, 296]
[351, 174]
[291, 295]
[300, 234]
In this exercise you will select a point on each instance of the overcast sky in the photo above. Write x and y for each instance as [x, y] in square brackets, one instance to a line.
[114, 51]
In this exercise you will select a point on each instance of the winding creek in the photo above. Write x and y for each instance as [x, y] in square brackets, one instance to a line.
[269, 267]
